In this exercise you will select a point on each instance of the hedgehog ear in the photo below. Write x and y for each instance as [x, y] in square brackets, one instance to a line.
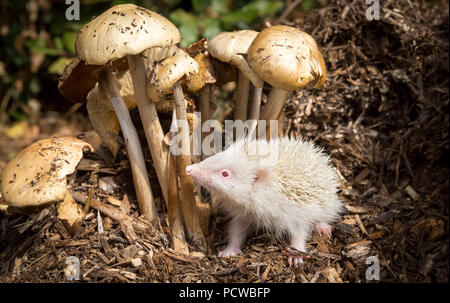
[261, 177]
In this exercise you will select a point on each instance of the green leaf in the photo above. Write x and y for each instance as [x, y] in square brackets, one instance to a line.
[199, 6]
[16, 115]
[308, 4]
[59, 44]
[39, 46]
[69, 41]
[249, 12]
[221, 6]
[58, 65]
[211, 27]
[187, 25]
[34, 86]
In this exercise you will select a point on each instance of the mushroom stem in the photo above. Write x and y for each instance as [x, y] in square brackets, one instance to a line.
[173, 208]
[188, 204]
[243, 66]
[150, 121]
[241, 102]
[205, 109]
[255, 107]
[135, 154]
[275, 102]
[281, 119]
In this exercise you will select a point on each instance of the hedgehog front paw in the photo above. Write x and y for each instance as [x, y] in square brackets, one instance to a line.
[230, 251]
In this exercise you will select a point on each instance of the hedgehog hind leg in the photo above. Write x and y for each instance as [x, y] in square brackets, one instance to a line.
[324, 229]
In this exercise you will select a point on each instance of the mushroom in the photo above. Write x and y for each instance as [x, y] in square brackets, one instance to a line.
[286, 58]
[126, 31]
[36, 177]
[231, 47]
[166, 76]
[168, 72]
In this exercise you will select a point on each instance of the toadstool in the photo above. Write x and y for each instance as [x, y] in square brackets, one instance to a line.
[36, 177]
[288, 59]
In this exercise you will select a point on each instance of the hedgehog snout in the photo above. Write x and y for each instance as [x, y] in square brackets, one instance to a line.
[198, 174]
[194, 172]
[189, 170]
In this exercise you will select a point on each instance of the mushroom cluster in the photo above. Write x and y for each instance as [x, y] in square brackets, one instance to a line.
[128, 57]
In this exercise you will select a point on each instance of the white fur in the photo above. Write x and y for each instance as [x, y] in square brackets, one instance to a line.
[295, 185]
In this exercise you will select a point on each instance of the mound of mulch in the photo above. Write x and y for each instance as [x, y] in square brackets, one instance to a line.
[383, 117]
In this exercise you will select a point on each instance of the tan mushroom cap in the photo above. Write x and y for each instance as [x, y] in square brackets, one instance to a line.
[230, 47]
[205, 74]
[37, 175]
[287, 58]
[124, 29]
[168, 72]
[227, 44]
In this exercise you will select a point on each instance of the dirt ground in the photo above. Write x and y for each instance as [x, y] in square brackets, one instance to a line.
[383, 117]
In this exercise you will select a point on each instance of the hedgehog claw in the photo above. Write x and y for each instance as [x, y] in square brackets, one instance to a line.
[230, 251]
[324, 229]
[295, 261]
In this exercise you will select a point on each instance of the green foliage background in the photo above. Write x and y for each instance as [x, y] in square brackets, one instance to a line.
[36, 40]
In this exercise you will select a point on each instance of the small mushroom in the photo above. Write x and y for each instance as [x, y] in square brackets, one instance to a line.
[167, 76]
[231, 47]
[168, 72]
[36, 177]
[288, 59]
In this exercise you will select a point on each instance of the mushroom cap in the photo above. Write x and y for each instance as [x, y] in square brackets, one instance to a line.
[168, 72]
[231, 47]
[287, 58]
[227, 44]
[78, 78]
[37, 175]
[205, 75]
[124, 29]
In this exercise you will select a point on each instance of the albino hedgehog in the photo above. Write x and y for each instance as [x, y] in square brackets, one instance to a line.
[283, 186]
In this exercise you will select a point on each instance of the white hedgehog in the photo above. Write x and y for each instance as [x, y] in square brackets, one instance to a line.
[283, 186]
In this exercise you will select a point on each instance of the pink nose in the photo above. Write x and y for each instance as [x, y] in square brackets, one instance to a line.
[189, 170]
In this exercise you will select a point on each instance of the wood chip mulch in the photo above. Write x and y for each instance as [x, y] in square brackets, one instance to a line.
[383, 117]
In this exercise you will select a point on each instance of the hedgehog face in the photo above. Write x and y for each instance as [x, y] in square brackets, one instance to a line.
[219, 174]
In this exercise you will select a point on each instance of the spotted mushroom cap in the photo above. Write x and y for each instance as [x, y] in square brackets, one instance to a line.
[287, 58]
[168, 72]
[37, 175]
[124, 29]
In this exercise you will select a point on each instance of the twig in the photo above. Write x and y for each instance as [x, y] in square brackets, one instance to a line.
[110, 211]
[287, 11]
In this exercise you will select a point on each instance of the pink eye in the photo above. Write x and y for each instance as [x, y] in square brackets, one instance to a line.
[225, 173]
